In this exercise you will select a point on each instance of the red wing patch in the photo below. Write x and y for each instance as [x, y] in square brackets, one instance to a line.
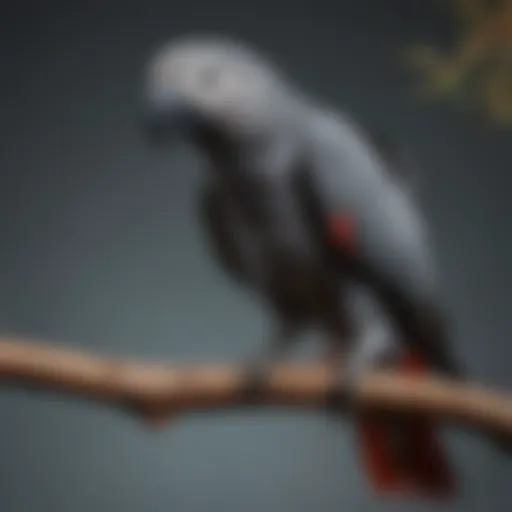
[341, 231]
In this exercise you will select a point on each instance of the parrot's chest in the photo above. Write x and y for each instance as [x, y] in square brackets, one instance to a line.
[297, 271]
[301, 285]
[292, 266]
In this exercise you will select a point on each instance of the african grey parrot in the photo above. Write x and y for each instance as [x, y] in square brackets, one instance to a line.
[316, 216]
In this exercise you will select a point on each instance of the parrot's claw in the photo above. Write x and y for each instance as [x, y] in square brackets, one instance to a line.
[373, 353]
[255, 379]
[339, 394]
[257, 366]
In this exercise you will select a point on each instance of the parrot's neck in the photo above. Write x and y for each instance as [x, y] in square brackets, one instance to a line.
[217, 146]
[261, 155]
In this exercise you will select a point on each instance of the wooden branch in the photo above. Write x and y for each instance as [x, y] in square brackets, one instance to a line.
[158, 391]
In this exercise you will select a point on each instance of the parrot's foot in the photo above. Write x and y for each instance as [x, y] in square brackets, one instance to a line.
[373, 351]
[339, 394]
[255, 380]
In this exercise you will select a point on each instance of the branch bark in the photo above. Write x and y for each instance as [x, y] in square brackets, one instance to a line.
[157, 391]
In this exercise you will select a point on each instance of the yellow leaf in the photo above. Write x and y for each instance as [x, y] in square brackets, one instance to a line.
[496, 93]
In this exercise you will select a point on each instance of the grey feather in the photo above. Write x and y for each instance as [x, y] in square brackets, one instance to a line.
[261, 134]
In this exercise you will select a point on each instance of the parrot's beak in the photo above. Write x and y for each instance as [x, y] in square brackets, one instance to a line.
[167, 118]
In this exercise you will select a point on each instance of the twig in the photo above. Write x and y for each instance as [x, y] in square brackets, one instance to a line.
[158, 391]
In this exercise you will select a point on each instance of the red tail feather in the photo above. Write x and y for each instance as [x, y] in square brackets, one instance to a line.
[418, 465]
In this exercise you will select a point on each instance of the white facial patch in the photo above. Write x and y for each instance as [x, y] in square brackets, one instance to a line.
[227, 83]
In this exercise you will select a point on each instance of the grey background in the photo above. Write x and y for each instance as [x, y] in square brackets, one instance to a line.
[101, 250]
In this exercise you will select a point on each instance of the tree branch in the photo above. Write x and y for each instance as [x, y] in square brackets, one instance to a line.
[158, 391]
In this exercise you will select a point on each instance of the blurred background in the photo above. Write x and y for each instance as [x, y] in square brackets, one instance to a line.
[101, 248]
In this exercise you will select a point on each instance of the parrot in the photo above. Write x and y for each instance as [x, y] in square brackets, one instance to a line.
[317, 217]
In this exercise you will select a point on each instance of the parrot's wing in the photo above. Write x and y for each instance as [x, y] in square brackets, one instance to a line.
[215, 218]
[399, 163]
[395, 159]
[374, 230]
[375, 233]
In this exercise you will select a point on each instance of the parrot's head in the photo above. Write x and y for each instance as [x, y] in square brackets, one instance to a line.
[195, 85]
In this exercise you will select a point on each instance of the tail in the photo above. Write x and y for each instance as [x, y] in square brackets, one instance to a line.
[404, 455]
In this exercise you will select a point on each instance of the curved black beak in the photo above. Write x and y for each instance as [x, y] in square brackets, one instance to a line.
[167, 118]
